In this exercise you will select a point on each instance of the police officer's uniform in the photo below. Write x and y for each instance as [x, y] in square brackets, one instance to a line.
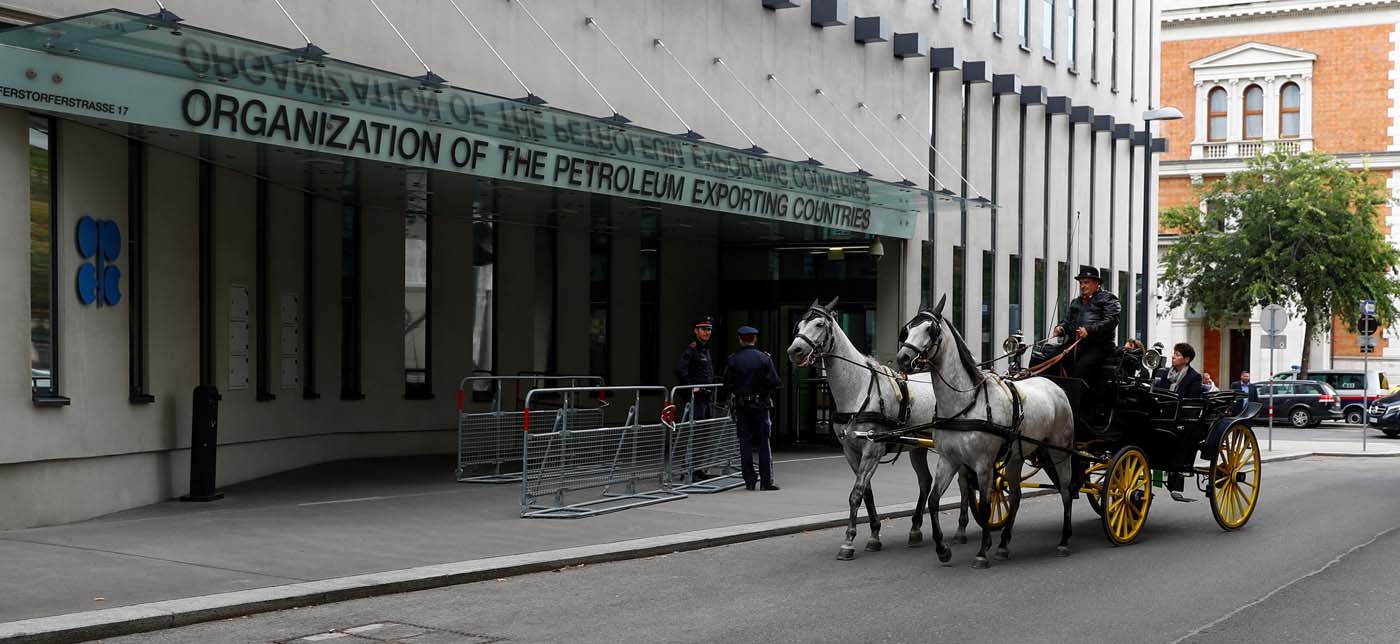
[694, 367]
[751, 377]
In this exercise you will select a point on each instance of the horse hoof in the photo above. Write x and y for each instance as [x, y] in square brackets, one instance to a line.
[981, 563]
[916, 539]
[959, 538]
[873, 546]
[1061, 551]
[846, 553]
[945, 555]
[1002, 554]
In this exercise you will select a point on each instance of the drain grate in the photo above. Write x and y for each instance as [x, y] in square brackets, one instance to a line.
[399, 632]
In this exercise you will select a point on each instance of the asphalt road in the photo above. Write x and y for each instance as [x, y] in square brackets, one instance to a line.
[1317, 564]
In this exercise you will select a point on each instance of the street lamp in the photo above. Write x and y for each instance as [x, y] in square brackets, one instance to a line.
[1159, 114]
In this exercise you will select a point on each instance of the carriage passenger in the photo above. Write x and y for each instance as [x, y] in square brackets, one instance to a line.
[1182, 378]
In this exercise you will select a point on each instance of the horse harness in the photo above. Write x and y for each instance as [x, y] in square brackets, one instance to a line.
[873, 390]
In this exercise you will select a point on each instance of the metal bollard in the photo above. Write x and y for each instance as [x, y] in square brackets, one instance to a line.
[204, 445]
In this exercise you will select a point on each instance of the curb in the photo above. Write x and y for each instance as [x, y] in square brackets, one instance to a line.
[140, 618]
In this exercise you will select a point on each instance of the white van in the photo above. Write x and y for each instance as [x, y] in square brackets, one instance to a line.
[1349, 385]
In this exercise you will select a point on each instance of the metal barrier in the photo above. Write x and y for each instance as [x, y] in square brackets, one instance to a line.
[494, 439]
[562, 459]
[701, 444]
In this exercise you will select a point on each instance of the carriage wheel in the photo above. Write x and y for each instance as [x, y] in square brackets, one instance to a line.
[1001, 499]
[1234, 478]
[1127, 495]
[1001, 494]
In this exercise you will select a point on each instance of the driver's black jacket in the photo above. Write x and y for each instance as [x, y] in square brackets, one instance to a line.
[1099, 316]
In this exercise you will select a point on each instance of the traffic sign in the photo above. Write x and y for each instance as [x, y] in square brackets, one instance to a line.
[1273, 319]
[1367, 343]
[1368, 307]
[1272, 341]
[1367, 325]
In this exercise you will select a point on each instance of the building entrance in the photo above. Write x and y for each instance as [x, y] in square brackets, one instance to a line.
[768, 279]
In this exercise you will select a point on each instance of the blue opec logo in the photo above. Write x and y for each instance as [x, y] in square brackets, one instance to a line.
[99, 244]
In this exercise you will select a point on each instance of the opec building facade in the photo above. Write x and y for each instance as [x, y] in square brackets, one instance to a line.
[332, 212]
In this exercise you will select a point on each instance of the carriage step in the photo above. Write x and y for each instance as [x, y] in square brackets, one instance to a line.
[1176, 496]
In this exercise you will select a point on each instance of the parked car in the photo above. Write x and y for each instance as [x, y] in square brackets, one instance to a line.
[1300, 403]
[1349, 384]
[1385, 415]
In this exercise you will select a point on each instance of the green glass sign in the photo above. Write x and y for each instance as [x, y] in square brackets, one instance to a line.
[130, 68]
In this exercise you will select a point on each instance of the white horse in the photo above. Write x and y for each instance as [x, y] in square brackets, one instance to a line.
[978, 412]
[868, 390]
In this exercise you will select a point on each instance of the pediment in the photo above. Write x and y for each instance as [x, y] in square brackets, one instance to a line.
[1254, 54]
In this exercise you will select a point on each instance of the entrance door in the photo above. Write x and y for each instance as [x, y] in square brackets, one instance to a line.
[1239, 355]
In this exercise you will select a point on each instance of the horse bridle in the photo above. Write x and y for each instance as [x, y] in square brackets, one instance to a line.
[814, 312]
[936, 330]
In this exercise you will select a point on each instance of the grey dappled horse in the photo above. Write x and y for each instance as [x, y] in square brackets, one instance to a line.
[966, 393]
[860, 384]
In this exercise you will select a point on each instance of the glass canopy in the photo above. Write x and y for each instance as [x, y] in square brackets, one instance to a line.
[197, 77]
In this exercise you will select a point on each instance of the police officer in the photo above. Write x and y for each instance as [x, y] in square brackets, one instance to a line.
[751, 377]
[695, 368]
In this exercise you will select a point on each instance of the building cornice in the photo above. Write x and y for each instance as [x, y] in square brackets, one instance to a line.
[1268, 9]
[1215, 167]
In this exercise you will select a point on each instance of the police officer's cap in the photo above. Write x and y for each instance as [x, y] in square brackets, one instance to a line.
[705, 322]
[1088, 273]
[747, 330]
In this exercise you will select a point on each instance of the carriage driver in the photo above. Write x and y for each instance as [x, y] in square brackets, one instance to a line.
[1092, 319]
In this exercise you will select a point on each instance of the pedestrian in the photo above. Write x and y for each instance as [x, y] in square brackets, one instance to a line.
[694, 367]
[1242, 384]
[1207, 383]
[749, 375]
[1181, 378]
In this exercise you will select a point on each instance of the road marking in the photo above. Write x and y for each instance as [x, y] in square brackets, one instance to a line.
[363, 498]
[1336, 560]
[803, 460]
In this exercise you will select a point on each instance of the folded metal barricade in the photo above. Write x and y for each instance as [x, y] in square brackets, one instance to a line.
[702, 444]
[489, 442]
[628, 463]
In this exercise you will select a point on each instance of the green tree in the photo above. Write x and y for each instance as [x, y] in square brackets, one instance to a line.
[1299, 230]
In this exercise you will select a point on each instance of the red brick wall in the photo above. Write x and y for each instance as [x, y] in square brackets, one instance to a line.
[1350, 80]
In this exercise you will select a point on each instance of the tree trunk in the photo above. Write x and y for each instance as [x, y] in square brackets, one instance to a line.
[1308, 331]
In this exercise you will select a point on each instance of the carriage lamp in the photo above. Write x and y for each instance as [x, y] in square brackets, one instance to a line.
[1153, 359]
[1013, 344]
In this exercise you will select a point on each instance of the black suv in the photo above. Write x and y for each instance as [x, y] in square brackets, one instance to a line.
[1385, 415]
[1303, 403]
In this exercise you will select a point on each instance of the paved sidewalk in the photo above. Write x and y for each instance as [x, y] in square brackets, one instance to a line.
[363, 528]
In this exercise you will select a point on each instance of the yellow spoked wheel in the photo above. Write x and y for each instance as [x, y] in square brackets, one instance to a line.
[1127, 495]
[1234, 477]
[1001, 499]
[1093, 486]
[1001, 494]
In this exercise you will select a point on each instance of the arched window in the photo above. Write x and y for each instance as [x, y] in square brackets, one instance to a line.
[1290, 120]
[1217, 122]
[1253, 112]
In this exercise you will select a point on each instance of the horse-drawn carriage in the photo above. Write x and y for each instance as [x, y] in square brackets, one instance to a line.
[1112, 446]
[1129, 436]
